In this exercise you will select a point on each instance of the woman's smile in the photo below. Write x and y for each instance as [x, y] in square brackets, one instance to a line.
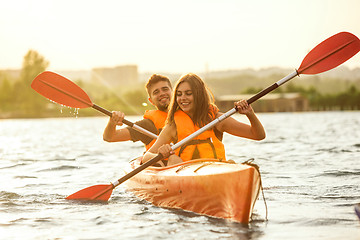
[185, 98]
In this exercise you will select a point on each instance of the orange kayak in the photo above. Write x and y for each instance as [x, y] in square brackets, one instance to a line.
[205, 186]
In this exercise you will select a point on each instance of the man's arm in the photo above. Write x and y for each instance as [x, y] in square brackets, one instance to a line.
[138, 136]
[111, 134]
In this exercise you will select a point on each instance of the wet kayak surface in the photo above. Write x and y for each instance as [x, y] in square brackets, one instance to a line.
[308, 162]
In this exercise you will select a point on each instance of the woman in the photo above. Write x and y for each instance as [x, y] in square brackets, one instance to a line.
[191, 108]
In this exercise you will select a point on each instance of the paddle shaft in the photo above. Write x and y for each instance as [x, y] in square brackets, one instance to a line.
[272, 87]
[137, 170]
[188, 138]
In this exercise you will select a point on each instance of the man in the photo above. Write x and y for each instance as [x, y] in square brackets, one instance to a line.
[159, 90]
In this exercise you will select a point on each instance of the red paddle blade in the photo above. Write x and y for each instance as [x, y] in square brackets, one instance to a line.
[94, 193]
[330, 53]
[61, 90]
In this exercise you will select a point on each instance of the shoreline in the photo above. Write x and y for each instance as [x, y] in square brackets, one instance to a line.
[7, 116]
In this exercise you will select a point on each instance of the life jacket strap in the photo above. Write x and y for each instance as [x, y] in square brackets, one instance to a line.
[197, 142]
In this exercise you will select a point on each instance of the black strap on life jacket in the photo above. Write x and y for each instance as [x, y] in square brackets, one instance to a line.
[197, 142]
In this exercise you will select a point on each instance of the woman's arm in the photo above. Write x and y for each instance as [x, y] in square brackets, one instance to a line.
[166, 136]
[253, 131]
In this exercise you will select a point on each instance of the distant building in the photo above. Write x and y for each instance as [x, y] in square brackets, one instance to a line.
[273, 102]
[115, 76]
[76, 75]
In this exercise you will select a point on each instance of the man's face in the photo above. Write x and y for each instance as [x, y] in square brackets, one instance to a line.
[160, 94]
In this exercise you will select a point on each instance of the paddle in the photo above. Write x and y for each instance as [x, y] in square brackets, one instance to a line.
[63, 91]
[325, 56]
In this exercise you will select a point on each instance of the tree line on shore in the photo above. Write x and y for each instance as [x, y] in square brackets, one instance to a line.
[19, 100]
[345, 100]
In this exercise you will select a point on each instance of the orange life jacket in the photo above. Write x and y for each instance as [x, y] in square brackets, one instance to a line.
[158, 118]
[207, 144]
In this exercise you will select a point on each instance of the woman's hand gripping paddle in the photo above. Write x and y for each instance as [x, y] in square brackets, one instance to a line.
[327, 55]
[63, 91]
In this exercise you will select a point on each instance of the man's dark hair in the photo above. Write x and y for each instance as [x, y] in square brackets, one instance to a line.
[155, 78]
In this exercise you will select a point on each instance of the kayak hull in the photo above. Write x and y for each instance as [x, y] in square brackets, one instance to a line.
[217, 189]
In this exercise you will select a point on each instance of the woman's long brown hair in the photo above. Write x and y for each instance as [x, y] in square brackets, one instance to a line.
[203, 100]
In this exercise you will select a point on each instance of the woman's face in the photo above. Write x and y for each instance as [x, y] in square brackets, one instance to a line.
[185, 98]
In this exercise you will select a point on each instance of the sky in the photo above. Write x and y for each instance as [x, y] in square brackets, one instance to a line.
[171, 36]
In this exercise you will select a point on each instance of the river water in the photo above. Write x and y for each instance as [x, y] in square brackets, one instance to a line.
[309, 164]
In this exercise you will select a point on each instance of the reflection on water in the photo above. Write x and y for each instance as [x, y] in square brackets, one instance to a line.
[308, 164]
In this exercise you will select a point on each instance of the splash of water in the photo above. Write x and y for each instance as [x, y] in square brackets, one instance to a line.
[73, 111]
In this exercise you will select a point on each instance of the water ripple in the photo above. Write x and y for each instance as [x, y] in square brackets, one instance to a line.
[8, 195]
[309, 166]
[339, 173]
[60, 168]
